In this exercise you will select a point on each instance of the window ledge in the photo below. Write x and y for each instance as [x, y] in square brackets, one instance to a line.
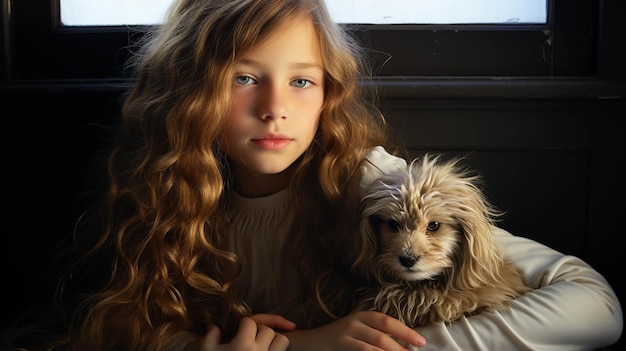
[405, 87]
[499, 88]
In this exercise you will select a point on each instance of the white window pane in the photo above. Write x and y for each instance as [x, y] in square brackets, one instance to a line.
[129, 12]
[113, 12]
[438, 11]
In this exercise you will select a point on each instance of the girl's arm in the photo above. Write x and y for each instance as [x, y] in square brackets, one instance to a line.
[573, 307]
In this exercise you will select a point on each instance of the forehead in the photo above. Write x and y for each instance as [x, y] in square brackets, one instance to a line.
[296, 38]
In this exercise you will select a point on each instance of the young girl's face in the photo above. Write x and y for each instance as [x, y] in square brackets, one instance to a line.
[277, 98]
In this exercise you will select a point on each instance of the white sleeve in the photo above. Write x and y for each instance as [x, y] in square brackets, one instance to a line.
[376, 163]
[573, 308]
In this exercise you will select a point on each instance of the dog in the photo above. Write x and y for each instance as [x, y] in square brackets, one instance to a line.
[426, 247]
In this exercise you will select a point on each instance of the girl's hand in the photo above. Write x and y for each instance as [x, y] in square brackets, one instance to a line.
[365, 330]
[250, 337]
[274, 321]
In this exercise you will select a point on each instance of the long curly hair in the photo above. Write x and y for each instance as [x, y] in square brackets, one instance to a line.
[159, 263]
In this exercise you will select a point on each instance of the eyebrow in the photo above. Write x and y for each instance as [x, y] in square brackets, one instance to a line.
[296, 65]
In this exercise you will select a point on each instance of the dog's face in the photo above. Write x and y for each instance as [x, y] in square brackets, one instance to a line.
[416, 222]
[417, 243]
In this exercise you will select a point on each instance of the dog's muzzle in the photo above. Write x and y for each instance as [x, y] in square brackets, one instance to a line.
[408, 261]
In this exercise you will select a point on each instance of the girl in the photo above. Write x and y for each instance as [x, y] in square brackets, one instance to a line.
[236, 174]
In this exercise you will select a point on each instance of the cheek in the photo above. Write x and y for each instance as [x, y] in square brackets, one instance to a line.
[240, 105]
[444, 242]
[314, 123]
[306, 119]
[316, 115]
[229, 134]
[235, 127]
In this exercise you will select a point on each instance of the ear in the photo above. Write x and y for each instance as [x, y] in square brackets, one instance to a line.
[365, 246]
[481, 254]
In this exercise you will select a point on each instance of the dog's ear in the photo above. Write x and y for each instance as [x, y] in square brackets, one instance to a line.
[481, 253]
[379, 225]
[364, 247]
[374, 222]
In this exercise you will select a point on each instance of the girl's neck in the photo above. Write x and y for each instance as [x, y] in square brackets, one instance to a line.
[248, 184]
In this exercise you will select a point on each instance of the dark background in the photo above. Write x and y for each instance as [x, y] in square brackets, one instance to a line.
[539, 111]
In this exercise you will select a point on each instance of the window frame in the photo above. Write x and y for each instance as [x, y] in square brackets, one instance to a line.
[37, 48]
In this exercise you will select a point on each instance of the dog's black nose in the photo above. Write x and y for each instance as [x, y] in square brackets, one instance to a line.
[408, 261]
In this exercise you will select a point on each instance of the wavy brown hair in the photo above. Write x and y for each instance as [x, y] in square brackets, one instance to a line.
[163, 263]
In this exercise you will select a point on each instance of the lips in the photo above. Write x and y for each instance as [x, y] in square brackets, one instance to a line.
[273, 142]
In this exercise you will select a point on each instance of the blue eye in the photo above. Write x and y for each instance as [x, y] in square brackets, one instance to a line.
[244, 80]
[301, 83]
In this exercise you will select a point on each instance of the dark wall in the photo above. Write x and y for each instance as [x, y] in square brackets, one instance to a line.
[52, 140]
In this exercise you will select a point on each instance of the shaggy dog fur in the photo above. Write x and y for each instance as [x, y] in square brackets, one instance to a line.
[426, 247]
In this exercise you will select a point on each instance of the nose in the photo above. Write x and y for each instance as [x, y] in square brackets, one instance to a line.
[408, 260]
[272, 103]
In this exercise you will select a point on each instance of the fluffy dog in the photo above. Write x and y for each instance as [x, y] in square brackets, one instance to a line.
[426, 248]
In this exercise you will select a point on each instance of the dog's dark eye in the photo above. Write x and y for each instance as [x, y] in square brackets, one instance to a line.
[433, 226]
[393, 225]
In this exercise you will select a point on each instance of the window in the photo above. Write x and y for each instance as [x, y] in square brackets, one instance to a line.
[129, 12]
[563, 46]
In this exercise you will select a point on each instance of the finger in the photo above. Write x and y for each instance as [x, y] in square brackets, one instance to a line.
[211, 338]
[280, 343]
[395, 328]
[265, 335]
[379, 340]
[274, 321]
[247, 328]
